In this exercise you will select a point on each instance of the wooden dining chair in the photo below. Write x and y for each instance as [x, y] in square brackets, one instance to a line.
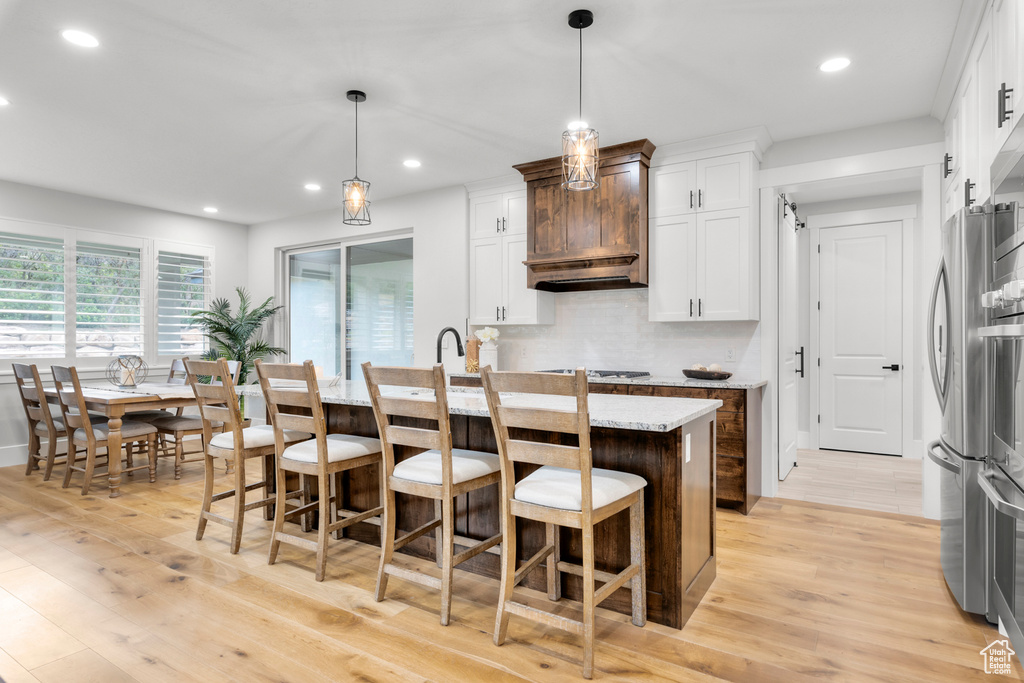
[92, 436]
[565, 491]
[439, 472]
[226, 436]
[178, 426]
[41, 421]
[325, 456]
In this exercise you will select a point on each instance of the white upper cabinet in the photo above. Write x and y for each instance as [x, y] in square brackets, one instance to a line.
[1006, 35]
[711, 184]
[498, 294]
[704, 258]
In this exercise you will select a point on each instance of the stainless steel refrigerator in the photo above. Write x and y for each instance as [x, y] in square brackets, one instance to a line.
[959, 367]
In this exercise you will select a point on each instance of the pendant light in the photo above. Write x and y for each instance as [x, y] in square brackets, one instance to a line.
[579, 143]
[355, 191]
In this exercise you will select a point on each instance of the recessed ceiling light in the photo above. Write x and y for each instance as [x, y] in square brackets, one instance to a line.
[312, 187]
[80, 38]
[835, 64]
[210, 209]
[4, 101]
[411, 163]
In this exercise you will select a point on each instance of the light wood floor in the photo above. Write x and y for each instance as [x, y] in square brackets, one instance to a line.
[95, 589]
[860, 480]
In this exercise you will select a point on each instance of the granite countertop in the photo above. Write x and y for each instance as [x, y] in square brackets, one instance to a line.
[640, 413]
[663, 381]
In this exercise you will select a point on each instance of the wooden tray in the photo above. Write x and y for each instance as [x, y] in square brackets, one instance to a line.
[707, 374]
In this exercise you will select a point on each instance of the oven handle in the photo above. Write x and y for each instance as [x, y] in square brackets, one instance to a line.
[941, 461]
[1001, 504]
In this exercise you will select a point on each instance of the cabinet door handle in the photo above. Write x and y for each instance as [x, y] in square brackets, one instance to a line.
[800, 370]
[700, 198]
[968, 186]
[497, 225]
[502, 312]
[503, 228]
[946, 170]
[497, 313]
[1004, 114]
[700, 307]
[691, 300]
[691, 201]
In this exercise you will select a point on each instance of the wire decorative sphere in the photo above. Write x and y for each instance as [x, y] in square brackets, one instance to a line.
[127, 371]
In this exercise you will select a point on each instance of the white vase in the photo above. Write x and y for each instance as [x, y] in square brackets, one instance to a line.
[489, 355]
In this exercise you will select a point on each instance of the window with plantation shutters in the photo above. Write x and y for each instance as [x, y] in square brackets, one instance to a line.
[32, 304]
[108, 300]
[183, 287]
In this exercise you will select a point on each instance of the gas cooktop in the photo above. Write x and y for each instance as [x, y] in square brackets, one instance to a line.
[622, 374]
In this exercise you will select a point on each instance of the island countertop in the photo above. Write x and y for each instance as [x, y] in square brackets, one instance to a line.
[638, 413]
[660, 381]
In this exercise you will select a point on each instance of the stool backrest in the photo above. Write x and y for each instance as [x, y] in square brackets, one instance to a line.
[387, 407]
[217, 399]
[524, 432]
[33, 400]
[72, 402]
[303, 394]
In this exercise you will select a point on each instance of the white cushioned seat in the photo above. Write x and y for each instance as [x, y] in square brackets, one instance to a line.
[426, 467]
[129, 430]
[255, 437]
[183, 423]
[339, 447]
[43, 431]
[559, 487]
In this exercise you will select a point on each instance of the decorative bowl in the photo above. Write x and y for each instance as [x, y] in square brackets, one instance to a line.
[707, 374]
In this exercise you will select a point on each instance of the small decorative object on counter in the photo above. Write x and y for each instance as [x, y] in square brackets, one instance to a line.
[488, 349]
[472, 355]
[127, 371]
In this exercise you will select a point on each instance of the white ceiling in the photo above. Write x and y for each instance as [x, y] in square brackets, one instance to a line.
[238, 103]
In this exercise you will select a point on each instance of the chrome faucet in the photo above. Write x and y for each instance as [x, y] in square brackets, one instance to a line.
[458, 342]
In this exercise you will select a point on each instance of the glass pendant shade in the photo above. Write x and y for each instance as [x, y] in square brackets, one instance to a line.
[356, 206]
[579, 159]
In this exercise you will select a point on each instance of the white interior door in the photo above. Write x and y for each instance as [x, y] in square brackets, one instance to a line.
[861, 337]
[788, 339]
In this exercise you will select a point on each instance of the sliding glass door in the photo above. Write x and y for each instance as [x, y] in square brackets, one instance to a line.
[351, 303]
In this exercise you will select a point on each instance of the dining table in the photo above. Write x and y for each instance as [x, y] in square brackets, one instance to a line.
[116, 402]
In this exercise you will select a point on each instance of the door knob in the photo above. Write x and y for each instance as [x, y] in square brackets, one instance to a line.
[895, 367]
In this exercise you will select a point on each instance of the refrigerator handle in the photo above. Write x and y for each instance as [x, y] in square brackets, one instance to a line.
[941, 461]
[941, 385]
[998, 502]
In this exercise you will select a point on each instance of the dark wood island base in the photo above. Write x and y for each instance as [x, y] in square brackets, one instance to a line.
[679, 507]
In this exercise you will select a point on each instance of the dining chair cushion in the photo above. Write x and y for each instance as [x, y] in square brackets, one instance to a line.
[59, 423]
[255, 437]
[41, 429]
[129, 430]
[182, 423]
[561, 488]
[426, 467]
[339, 447]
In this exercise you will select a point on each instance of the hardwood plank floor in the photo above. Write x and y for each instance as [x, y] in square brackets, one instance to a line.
[111, 590]
[860, 480]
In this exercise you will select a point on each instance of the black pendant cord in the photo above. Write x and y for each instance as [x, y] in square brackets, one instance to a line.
[581, 75]
[357, 138]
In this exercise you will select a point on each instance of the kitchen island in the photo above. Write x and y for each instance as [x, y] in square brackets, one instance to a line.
[668, 441]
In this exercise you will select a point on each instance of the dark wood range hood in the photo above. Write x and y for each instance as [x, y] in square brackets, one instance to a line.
[589, 240]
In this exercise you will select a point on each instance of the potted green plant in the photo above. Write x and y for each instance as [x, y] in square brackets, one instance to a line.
[238, 336]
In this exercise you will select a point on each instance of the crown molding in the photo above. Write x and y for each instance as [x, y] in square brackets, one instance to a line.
[491, 185]
[755, 140]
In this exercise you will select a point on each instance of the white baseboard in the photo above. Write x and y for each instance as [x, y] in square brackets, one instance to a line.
[13, 455]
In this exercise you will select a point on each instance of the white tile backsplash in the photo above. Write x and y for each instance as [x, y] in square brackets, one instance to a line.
[609, 330]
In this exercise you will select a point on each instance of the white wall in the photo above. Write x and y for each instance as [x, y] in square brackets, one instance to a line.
[41, 205]
[854, 142]
[439, 223]
[609, 330]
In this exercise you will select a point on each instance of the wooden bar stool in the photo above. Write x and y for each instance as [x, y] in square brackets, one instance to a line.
[178, 426]
[326, 456]
[565, 491]
[225, 436]
[440, 473]
[93, 435]
[41, 421]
